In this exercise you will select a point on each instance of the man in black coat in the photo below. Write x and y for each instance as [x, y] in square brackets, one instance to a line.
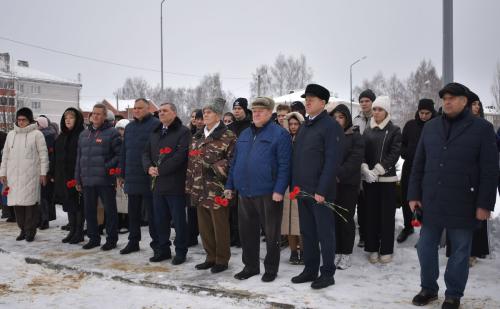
[134, 178]
[453, 182]
[97, 158]
[243, 120]
[319, 143]
[411, 135]
[165, 159]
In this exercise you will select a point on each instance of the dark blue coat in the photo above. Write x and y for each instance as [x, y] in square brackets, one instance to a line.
[98, 152]
[453, 176]
[134, 141]
[317, 155]
[261, 163]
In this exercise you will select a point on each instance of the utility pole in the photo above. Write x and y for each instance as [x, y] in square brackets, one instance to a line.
[447, 41]
[258, 85]
[161, 41]
[350, 77]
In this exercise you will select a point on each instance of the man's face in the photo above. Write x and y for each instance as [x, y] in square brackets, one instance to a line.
[210, 118]
[98, 116]
[365, 104]
[22, 122]
[141, 109]
[261, 116]
[166, 114]
[281, 115]
[453, 105]
[424, 115]
[314, 105]
[239, 113]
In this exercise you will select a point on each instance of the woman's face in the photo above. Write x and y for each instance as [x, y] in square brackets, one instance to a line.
[379, 114]
[340, 118]
[293, 126]
[193, 118]
[69, 121]
[476, 107]
[22, 122]
[228, 120]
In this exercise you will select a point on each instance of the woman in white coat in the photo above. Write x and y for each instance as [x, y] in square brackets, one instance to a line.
[24, 168]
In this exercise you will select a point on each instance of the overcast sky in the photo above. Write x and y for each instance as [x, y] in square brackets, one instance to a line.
[233, 37]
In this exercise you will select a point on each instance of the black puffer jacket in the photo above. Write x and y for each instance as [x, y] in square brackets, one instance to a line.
[354, 150]
[98, 153]
[173, 167]
[382, 148]
[65, 153]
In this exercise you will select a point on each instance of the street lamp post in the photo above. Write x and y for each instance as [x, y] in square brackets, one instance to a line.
[161, 40]
[350, 75]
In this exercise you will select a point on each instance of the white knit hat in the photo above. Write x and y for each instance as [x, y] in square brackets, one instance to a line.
[383, 102]
[122, 124]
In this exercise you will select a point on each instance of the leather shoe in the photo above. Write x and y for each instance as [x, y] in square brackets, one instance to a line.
[129, 248]
[304, 277]
[424, 297]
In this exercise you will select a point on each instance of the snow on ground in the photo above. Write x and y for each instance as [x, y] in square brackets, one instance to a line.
[364, 285]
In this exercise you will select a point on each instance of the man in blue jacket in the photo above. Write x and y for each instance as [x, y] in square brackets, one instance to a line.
[97, 158]
[453, 182]
[260, 172]
[134, 178]
[316, 159]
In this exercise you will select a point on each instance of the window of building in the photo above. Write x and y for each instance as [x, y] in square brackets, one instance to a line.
[20, 88]
[35, 104]
[35, 89]
[20, 103]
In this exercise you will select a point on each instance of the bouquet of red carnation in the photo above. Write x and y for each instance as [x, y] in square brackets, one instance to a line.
[5, 191]
[221, 201]
[417, 217]
[163, 153]
[195, 152]
[115, 171]
[71, 183]
[297, 192]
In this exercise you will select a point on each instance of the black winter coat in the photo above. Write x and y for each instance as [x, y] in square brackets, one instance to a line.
[135, 138]
[383, 146]
[317, 155]
[173, 168]
[98, 153]
[65, 155]
[455, 170]
[238, 126]
[3, 138]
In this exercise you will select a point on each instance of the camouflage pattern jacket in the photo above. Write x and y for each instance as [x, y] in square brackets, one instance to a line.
[208, 165]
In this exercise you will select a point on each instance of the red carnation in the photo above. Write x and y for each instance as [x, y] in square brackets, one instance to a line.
[118, 171]
[296, 190]
[5, 191]
[224, 202]
[218, 200]
[167, 150]
[71, 183]
[416, 223]
[293, 195]
[112, 171]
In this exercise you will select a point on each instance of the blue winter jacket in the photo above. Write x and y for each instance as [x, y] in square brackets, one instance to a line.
[261, 163]
[98, 153]
[134, 141]
[455, 171]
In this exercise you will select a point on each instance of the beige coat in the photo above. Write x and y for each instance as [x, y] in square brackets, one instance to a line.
[290, 221]
[24, 160]
[121, 201]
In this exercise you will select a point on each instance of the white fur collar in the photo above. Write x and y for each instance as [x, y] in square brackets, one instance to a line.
[381, 125]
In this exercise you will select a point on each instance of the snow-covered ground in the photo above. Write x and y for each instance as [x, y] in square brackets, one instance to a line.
[71, 277]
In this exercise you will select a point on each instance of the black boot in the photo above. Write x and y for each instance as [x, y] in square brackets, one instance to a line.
[78, 235]
[21, 236]
[404, 234]
[424, 297]
[72, 226]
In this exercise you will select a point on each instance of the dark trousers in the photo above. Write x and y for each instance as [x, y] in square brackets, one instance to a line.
[192, 222]
[381, 210]
[135, 204]
[347, 196]
[360, 210]
[254, 212]
[457, 268]
[233, 222]
[214, 231]
[108, 198]
[407, 213]
[167, 208]
[317, 227]
[480, 245]
[27, 218]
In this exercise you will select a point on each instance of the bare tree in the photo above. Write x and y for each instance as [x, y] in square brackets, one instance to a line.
[133, 88]
[495, 88]
[424, 83]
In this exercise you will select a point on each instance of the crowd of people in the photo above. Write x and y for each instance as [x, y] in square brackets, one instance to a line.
[296, 174]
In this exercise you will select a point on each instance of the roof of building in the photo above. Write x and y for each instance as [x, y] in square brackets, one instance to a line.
[27, 73]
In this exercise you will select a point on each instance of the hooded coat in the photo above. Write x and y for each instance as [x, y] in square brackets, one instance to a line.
[65, 155]
[25, 159]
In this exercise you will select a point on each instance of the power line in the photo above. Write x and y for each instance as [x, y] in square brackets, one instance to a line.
[106, 61]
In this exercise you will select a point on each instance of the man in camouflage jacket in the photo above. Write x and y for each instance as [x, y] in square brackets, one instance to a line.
[209, 156]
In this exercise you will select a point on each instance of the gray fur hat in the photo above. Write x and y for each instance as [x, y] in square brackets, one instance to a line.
[216, 105]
